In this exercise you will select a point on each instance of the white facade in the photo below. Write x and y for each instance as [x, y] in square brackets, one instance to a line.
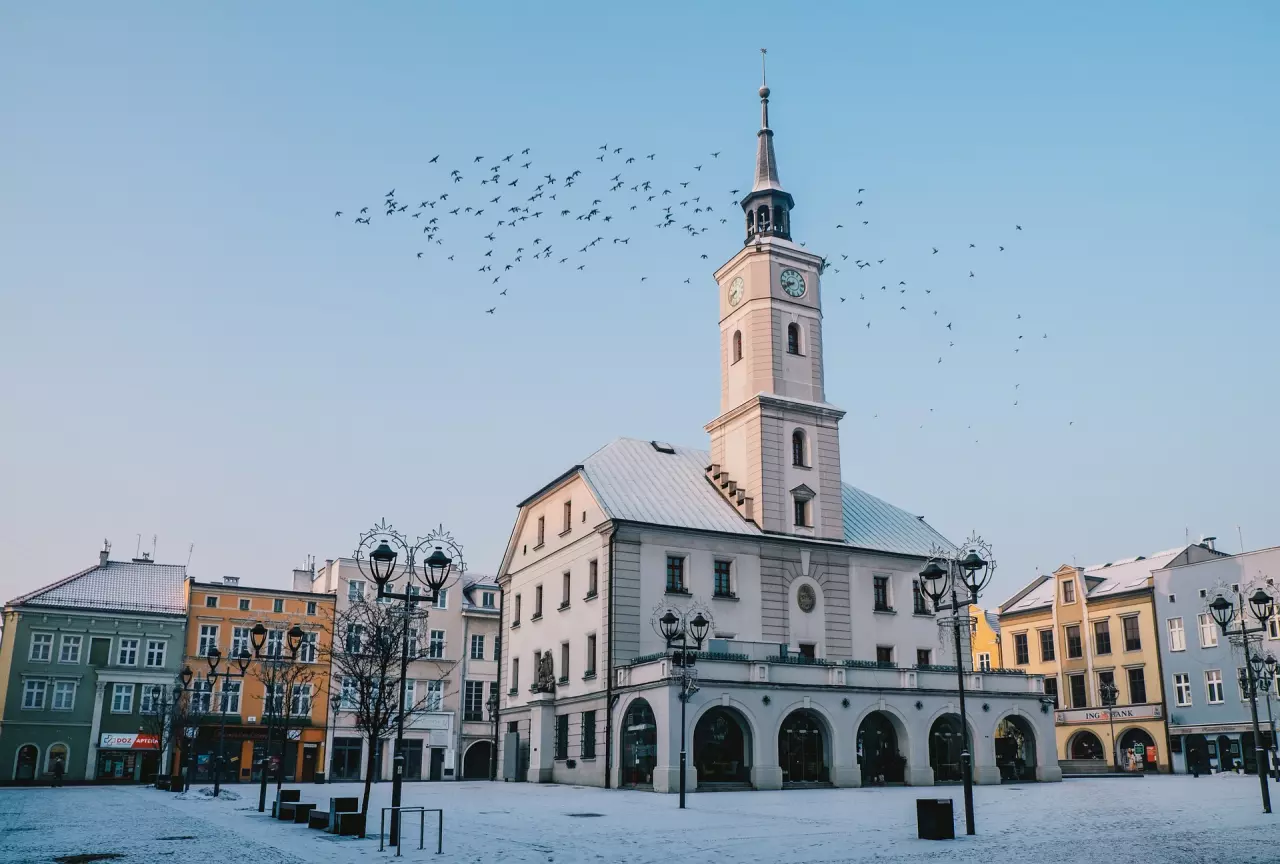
[821, 667]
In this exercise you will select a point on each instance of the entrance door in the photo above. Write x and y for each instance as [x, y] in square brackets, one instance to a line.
[346, 759]
[413, 759]
[25, 769]
[639, 745]
[309, 753]
[878, 754]
[802, 750]
[437, 763]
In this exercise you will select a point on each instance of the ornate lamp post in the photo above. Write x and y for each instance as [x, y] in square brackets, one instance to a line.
[492, 704]
[184, 678]
[384, 555]
[335, 703]
[942, 577]
[1264, 671]
[242, 662]
[1224, 612]
[163, 702]
[1110, 695]
[681, 626]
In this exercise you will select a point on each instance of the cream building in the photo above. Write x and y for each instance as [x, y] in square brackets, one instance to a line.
[457, 670]
[824, 665]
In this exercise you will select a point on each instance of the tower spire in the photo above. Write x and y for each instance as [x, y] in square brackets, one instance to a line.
[768, 206]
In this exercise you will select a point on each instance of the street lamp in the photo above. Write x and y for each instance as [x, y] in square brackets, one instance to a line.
[1223, 611]
[943, 575]
[1264, 671]
[492, 704]
[214, 658]
[383, 555]
[1110, 695]
[681, 626]
[294, 641]
[335, 703]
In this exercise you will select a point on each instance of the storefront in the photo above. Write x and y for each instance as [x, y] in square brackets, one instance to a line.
[1126, 737]
[127, 758]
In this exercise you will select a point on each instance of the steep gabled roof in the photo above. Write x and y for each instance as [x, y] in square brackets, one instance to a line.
[117, 586]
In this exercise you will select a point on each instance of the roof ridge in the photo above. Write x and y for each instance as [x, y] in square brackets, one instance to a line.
[24, 598]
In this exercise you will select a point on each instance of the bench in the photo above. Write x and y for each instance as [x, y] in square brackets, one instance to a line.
[318, 819]
[348, 824]
[338, 806]
[302, 813]
[285, 796]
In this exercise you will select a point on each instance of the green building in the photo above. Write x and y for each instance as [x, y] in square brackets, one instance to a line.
[78, 660]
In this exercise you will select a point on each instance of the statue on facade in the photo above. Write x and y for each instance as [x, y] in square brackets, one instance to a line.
[546, 681]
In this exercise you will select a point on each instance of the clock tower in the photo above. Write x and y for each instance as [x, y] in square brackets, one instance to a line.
[775, 448]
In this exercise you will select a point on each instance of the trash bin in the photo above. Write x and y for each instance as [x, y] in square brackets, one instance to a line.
[934, 819]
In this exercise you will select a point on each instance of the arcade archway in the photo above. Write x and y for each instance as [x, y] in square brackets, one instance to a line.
[722, 748]
[880, 751]
[803, 749]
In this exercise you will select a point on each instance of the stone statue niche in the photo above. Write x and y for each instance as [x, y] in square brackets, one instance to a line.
[546, 682]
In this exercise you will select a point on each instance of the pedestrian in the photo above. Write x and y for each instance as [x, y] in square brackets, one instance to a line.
[58, 770]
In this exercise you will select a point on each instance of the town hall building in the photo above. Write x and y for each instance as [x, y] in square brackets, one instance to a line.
[823, 664]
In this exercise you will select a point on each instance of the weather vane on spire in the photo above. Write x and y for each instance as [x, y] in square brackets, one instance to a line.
[763, 81]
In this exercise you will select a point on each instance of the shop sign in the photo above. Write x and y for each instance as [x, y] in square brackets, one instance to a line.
[1102, 715]
[129, 741]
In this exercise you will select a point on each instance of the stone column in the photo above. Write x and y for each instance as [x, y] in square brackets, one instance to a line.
[99, 689]
[542, 737]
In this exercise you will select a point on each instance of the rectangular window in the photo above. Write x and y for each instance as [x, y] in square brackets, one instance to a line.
[593, 577]
[1107, 692]
[1046, 646]
[884, 653]
[1079, 698]
[1021, 653]
[924, 657]
[1177, 636]
[486, 600]
[723, 586]
[880, 593]
[442, 599]
[435, 695]
[300, 700]
[568, 517]
[1075, 645]
[350, 693]
[1132, 637]
[239, 640]
[515, 674]
[1068, 591]
[122, 699]
[70, 649]
[435, 647]
[1102, 637]
[588, 743]
[515, 620]
[273, 698]
[155, 652]
[1182, 689]
[477, 646]
[537, 602]
[355, 590]
[275, 643]
[1208, 630]
[562, 736]
[473, 700]
[542, 531]
[591, 656]
[566, 582]
[308, 648]
[208, 639]
[41, 647]
[564, 662]
[33, 694]
[1273, 626]
[919, 604]
[1242, 684]
[277, 605]
[415, 650]
[1213, 686]
[1137, 687]
[808, 650]
[244, 604]
[200, 691]
[1051, 689]
[211, 602]
[229, 697]
[64, 695]
[355, 638]
[984, 661]
[311, 607]
[801, 513]
[410, 701]
[675, 574]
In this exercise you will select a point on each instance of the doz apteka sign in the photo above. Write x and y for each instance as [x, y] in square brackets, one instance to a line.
[129, 741]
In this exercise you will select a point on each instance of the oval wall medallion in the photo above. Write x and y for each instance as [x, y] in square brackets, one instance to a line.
[805, 598]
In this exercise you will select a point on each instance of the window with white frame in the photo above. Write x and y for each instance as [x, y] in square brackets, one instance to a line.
[41, 648]
[355, 638]
[435, 647]
[1213, 686]
[984, 661]
[229, 697]
[1177, 636]
[155, 652]
[435, 695]
[273, 697]
[1182, 689]
[1242, 684]
[355, 590]
[473, 700]
[477, 646]
[147, 703]
[127, 653]
[277, 605]
[64, 695]
[589, 667]
[33, 694]
[239, 640]
[69, 651]
[442, 599]
[300, 700]
[308, 648]
[486, 600]
[311, 608]
[349, 693]
[201, 692]
[208, 639]
[275, 643]
[1273, 626]
[122, 699]
[1208, 630]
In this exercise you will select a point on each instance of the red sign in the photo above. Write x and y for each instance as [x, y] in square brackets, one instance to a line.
[130, 741]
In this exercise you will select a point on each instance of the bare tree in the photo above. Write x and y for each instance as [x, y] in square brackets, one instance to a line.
[168, 719]
[366, 665]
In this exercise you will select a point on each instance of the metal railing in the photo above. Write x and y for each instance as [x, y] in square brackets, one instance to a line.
[422, 827]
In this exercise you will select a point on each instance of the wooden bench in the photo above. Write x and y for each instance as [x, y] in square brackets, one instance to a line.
[338, 806]
[302, 813]
[285, 796]
[318, 819]
[348, 824]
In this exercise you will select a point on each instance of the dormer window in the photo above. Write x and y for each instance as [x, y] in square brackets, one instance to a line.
[793, 338]
[798, 449]
[737, 345]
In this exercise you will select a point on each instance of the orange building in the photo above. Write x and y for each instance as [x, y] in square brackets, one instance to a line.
[223, 615]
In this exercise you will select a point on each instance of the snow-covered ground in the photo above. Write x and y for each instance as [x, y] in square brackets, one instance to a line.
[1152, 819]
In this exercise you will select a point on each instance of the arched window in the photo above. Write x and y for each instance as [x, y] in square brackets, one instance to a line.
[751, 221]
[762, 219]
[793, 338]
[737, 345]
[56, 752]
[797, 448]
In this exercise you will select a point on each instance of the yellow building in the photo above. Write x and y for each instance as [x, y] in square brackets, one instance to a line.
[1092, 631]
[987, 649]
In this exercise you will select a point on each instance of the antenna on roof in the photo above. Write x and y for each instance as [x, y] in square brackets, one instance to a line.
[137, 549]
[154, 537]
[190, 551]
[1240, 537]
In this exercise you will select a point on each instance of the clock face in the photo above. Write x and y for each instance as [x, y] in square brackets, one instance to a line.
[735, 291]
[792, 282]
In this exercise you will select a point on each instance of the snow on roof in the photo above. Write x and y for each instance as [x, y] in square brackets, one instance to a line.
[1118, 577]
[636, 482]
[117, 586]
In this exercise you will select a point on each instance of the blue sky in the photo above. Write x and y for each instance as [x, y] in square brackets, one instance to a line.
[195, 348]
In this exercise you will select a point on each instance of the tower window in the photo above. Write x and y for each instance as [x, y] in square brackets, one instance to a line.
[802, 513]
[793, 338]
[797, 449]
[762, 218]
[751, 221]
[737, 345]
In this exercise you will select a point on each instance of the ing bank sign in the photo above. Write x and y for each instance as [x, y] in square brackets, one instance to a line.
[1074, 716]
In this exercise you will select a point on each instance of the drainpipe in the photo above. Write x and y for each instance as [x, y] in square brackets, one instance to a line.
[608, 691]
[466, 667]
[497, 688]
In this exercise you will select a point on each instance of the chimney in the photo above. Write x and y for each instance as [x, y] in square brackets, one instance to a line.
[145, 558]
[105, 553]
[230, 580]
[1207, 542]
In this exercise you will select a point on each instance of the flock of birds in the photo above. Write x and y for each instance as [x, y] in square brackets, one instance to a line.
[500, 215]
